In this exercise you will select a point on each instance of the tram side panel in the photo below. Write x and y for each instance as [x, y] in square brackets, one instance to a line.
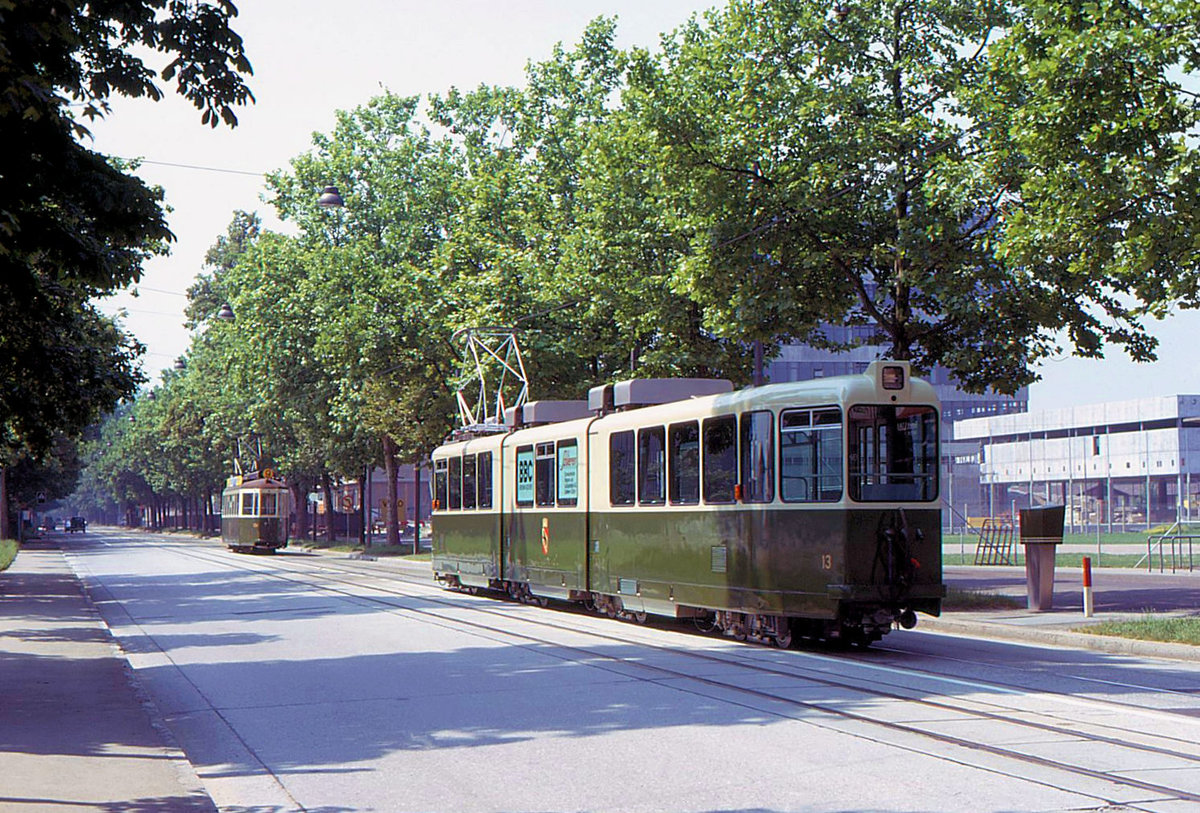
[783, 559]
[694, 542]
[663, 562]
[653, 547]
[467, 516]
[545, 538]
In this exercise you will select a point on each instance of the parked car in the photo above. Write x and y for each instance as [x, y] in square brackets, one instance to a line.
[77, 524]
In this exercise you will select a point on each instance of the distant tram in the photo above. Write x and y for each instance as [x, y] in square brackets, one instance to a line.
[782, 512]
[255, 512]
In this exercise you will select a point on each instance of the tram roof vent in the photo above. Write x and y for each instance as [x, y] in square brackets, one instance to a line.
[600, 399]
[640, 392]
[536, 413]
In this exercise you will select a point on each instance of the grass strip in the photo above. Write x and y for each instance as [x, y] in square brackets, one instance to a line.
[8, 552]
[1125, 560]
[1151, 627]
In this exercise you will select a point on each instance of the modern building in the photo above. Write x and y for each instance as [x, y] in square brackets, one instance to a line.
[1119, 465]
[961, 494]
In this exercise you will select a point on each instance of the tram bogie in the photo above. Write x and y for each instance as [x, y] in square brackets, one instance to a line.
[255, 513]
[786, 512]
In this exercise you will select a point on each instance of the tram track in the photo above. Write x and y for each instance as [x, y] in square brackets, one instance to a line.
[347, 580]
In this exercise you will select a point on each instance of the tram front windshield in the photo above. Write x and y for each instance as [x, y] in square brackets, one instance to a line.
[893, 453]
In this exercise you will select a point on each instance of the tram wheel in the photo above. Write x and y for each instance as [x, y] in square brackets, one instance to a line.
[639, 618]
[784, 641]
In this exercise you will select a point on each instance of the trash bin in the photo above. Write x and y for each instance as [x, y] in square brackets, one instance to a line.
[1041, 534]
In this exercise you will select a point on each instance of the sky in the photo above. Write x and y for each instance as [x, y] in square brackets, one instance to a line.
[312, 59]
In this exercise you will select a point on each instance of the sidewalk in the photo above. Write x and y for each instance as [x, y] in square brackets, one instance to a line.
[1119, 594]
[75, 733]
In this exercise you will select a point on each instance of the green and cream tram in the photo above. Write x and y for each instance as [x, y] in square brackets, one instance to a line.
[255, 512]
[794, 510]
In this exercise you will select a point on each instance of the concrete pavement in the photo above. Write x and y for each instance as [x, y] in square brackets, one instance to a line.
[76, 733]
[1119, 594]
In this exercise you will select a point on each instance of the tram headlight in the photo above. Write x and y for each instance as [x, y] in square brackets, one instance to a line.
[892, 377]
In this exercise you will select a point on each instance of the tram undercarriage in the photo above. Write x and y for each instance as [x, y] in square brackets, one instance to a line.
[854, 627]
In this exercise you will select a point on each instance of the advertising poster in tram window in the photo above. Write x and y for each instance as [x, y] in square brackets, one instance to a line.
[568, 473]
[525, 476]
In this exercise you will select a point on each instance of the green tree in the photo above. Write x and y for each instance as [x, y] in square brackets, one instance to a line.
[970, 179]
[74, 225]
[379, 294]
[564, 228]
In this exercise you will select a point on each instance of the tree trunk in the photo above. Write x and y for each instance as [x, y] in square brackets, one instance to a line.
[391, 515]
[300, 508]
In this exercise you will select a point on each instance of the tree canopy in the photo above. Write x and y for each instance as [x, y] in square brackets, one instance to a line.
[974, 180]
[967, 184]
[75, 225]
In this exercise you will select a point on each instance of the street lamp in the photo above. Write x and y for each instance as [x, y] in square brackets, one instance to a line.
[330, 198]
[225, 314]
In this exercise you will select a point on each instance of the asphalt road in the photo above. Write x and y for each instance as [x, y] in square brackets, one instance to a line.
[299, 682]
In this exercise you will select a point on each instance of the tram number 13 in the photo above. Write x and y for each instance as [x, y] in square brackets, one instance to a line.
[827, 561]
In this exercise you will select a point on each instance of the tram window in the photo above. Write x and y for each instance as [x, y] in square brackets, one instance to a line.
[249, 508]
[720, 459]
[758, 456]
[469, 481]
[893, 453]
[230, 506]
[524, 475]
[652, 466]
[543, 474]
[684, 483]
[810, 454]
[621, 469]
[454, 483]
[484, 479]
[269, 504]
[440, 485]
[568, 472]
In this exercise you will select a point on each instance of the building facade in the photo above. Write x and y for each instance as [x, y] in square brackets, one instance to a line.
[1124, 465]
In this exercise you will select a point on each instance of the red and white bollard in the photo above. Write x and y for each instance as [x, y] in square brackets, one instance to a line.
[1088, 606]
